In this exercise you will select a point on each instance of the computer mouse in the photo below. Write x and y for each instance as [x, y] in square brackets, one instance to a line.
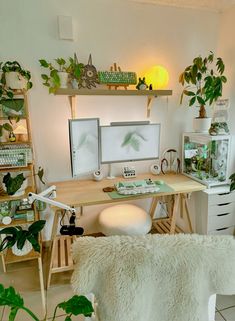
[159, 182]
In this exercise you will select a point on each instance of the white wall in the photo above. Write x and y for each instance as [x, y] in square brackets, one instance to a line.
[226, 48]
[135, 36]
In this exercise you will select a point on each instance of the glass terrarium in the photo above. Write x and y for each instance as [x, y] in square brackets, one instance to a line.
[205, 158]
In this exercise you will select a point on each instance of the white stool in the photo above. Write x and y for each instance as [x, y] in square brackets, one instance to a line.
[124, 219]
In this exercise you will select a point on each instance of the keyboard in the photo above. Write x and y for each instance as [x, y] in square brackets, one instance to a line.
[137, 187]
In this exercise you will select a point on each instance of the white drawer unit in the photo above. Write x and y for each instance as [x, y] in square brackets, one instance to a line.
[215, 211]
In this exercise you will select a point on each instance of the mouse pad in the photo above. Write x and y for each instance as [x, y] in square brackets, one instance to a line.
[164, 188]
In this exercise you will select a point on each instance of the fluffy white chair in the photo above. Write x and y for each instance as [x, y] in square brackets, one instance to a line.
[154, 277]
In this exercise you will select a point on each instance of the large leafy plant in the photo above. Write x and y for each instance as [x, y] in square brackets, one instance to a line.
[13, 184]
[77, 305]
[17, 235]
[203, 81]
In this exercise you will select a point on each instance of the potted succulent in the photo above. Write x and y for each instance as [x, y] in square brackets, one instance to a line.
[16, 185]
[22, 241]
[58, 76]
[14, 76]
[77, 305]
[203, 84]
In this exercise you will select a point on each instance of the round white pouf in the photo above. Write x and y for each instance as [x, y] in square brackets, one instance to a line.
[124, 219]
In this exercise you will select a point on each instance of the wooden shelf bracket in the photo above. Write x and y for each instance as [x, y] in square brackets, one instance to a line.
[149, 104]
[73, 105]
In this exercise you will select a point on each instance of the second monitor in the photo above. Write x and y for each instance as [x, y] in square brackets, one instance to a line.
[129, 142]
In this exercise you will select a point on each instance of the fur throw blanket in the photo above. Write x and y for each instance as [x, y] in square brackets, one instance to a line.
[154, 277]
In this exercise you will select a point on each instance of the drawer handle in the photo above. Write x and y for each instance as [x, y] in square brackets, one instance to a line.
[223, 214]
[222, 229]
[223, 204]
[224, 194]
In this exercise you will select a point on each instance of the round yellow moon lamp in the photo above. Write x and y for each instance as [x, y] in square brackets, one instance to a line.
[157, 76]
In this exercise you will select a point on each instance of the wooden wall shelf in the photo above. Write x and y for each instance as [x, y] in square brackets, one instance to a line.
[150, 94]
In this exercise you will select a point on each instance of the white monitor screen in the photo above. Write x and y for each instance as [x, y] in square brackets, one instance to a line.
[129, 142]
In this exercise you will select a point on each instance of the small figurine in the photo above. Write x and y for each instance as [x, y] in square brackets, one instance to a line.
[142, 84]
[150, 87]
[12, 137]
[219, 128]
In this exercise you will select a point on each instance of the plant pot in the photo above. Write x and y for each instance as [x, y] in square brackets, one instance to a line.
[14, 80]
[25, 250]
[201, 125]
[63, 79]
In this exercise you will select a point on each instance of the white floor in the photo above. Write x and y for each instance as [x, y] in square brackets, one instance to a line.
[24, 277]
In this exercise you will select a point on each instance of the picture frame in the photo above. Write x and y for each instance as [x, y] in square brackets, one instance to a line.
[84, 146]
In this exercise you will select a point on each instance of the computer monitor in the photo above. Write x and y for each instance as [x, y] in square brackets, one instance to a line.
[129, 142]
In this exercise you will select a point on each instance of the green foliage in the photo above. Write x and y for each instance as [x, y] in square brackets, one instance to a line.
[5, 126]
[16, 235]
[40, 174]
[203, 83]
[232, 186]
[77, 305]
[13, 183]
[52, 79]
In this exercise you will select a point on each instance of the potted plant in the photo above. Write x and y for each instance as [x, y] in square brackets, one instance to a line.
[22, 241]
[77, 305]
[58, 76]
[203, 84]
[75, 71]
[16, 185]
[14, 76]
[232, 186]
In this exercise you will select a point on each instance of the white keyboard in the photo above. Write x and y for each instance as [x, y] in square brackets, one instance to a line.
[137, 187]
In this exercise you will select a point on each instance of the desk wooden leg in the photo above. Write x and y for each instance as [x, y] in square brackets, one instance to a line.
[153, 207]
[187, 213]
[42, 285]
[174, 213]
[3, 263]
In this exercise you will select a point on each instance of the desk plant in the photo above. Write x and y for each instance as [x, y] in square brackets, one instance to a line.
[20, 240]
[203, 82]
[77, 305]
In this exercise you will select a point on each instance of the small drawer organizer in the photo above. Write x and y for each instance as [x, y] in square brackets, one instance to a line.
[215, 211]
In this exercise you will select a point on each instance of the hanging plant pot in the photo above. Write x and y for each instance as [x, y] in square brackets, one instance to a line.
[15, 80]
[25, 250]
[63, 79]
[202, 125]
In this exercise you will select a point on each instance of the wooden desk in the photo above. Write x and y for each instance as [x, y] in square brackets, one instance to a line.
[79, 193]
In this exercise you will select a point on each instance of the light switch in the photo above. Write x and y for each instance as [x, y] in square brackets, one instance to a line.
[65, 27]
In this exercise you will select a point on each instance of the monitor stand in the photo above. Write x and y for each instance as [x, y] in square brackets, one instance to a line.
[110, 174]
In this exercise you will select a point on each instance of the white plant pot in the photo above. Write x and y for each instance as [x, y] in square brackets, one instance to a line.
[14, 80]
[63, 79]
[25, 250]
[201, 125]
